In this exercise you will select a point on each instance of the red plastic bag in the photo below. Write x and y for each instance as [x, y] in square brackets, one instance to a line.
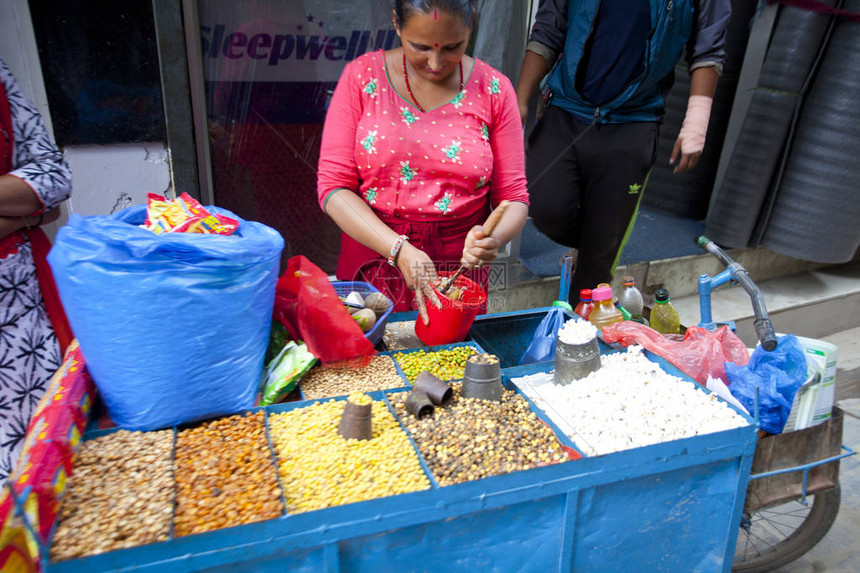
[308, 306]
[700, 354]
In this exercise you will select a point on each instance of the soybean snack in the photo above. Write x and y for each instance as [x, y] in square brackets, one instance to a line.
[445, 364]
[472, 438]
[120, 495]
[225, 475]
[320, 469]
[328, 382]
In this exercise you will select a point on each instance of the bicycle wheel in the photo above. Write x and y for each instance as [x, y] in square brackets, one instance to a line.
[773, 536]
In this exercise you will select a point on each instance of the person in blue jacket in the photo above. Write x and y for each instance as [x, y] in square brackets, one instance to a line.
[610, 66]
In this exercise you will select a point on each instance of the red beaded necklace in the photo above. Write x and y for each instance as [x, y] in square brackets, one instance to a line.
[409, 88]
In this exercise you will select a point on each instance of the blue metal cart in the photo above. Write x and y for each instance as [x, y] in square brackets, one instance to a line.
[674, 506]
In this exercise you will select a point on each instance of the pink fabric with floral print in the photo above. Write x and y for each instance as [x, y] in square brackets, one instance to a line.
[441, 168]
[433, 166]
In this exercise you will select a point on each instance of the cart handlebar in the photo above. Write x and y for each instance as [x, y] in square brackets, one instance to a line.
[763, 326]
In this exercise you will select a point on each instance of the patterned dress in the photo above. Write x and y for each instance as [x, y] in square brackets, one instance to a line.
[29, 352]
[431, 175]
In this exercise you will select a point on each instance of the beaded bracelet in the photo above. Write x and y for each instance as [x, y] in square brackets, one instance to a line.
[395, 250]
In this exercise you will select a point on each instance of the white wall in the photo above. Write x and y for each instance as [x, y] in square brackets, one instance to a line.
[18, 50]
[104, 177]
[108, 178]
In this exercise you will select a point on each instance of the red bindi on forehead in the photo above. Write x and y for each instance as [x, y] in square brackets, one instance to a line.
[434, 15]
[435, 45]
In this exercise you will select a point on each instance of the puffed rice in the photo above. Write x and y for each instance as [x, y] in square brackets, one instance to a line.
[628, 403]
[577, 331]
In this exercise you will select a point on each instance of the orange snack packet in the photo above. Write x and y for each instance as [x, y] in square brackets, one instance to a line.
[184, 215]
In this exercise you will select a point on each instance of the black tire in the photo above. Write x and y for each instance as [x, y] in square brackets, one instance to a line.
[774, 536]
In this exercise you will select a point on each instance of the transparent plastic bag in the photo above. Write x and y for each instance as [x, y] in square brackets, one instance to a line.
[700, 354]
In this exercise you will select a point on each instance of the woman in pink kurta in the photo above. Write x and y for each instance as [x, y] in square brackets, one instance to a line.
[416, 161]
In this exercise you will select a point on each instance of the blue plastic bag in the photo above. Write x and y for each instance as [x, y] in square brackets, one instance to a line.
[777, 375]
[173, 327]
[542, 346]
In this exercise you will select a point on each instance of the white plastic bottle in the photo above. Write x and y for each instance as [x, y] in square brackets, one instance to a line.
[630, 297]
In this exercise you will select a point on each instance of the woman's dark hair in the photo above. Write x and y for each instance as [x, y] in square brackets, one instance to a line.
[466, 9]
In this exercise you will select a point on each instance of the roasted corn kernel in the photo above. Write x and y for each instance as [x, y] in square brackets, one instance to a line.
[321, 469]
[225, 475]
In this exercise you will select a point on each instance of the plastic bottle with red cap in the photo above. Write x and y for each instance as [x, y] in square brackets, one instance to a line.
[583, 308]
[604, 311]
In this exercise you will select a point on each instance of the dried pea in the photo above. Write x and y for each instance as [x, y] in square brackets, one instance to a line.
[471, 438]
[446, 364]
[359, 399]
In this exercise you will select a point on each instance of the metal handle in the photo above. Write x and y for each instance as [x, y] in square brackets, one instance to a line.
[763, 327]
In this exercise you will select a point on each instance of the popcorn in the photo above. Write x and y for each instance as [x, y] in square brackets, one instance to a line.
[629, 402]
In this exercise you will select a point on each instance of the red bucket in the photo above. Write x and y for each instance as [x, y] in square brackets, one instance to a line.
[451, 323]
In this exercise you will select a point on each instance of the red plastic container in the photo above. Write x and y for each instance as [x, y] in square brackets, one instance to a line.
[453, 321]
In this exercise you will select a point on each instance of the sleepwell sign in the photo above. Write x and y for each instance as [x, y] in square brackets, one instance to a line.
[275, 49]
[290, 41]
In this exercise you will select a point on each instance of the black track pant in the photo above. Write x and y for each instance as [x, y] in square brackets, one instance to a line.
[586, 194]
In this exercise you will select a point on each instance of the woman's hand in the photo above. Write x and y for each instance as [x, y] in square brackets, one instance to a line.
[479, 248]
[419, 273]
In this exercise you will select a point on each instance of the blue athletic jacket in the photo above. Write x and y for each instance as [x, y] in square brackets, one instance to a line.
[563, 26]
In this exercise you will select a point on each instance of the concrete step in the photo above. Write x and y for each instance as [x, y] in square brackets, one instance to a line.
[814, 304]
[679, 275]
[513, 287]
[847, 363]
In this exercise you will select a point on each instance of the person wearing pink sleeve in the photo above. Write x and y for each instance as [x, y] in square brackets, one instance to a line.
[420, 143]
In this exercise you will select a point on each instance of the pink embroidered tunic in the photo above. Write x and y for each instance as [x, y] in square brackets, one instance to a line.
[431, 175]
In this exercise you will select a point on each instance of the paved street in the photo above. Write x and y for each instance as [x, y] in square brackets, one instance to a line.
[839, 551]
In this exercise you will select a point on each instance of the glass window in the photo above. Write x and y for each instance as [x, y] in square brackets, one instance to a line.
[270, 67]
[100, 64]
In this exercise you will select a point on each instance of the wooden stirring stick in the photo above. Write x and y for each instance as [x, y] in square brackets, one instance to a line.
[488, 227]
